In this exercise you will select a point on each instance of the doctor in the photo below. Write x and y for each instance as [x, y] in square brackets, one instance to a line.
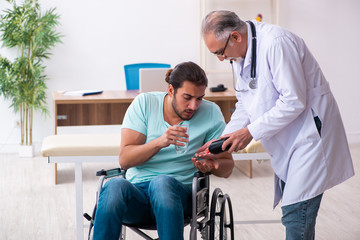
[285, 101]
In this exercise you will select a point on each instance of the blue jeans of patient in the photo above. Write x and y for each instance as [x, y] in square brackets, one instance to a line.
[163, 200]
[299, 218]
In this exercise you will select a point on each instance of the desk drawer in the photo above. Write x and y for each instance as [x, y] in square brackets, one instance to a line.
[90, 114]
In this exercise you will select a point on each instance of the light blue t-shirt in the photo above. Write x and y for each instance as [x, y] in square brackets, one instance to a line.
[145, 115]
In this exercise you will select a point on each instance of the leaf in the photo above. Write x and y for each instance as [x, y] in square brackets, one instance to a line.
[33, 33]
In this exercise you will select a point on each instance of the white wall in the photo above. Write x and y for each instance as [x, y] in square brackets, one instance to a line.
[101, 36]
[331, 30]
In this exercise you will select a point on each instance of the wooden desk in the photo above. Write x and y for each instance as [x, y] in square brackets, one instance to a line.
[110, 107]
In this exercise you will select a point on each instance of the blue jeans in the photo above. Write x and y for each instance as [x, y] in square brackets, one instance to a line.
[299, 219]
[163, 200]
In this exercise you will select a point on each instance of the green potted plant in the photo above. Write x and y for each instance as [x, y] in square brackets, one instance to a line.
[22, 80]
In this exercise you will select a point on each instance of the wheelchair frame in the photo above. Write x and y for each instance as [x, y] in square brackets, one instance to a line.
[216, 225]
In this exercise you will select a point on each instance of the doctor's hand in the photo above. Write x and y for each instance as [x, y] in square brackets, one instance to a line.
[205, 147]
[238, 139]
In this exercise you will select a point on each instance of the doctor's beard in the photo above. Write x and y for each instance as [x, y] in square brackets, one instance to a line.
[238, 59]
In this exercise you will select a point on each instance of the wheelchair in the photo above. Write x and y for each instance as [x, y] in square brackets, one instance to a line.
[215, 221]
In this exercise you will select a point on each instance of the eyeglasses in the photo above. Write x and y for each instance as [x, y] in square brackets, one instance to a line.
[221, 53]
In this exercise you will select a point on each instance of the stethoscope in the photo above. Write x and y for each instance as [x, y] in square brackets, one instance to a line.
[253, 82]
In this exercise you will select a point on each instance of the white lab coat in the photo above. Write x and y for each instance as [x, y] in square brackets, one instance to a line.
[291, 91]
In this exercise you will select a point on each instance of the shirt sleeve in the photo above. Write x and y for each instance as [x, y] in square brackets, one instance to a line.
[218, 124]
[136, 116]
[239, 119]
[284, 61]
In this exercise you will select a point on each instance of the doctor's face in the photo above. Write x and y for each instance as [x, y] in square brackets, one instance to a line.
[223, 49]
[187, 99]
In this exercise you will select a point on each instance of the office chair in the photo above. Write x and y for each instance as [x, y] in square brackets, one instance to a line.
[132, 73]
[218, 224]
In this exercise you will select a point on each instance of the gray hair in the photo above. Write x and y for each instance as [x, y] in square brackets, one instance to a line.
[222, 23]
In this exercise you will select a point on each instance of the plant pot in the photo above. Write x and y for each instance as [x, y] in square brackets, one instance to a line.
[26, 151]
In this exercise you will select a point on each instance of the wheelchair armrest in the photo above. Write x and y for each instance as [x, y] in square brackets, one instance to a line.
[111, 172]
[199, 174]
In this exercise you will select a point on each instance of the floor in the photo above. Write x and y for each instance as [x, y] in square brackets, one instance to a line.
[32, 207]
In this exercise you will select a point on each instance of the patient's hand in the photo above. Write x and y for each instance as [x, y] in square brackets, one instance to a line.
[205, 162]
[173, 135]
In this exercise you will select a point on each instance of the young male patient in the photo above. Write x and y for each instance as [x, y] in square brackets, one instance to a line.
[157, 188]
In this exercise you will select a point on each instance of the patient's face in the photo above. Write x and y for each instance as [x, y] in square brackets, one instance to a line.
[187, 100]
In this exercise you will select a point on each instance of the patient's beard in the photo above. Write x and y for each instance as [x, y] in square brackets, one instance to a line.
[178, 111]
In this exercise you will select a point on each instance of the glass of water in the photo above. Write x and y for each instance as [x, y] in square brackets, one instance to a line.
[183, 149]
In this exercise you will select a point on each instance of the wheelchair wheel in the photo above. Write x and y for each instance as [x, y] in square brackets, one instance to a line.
[221, 217]
[228, 219]
[215, 216]
[91, 227]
